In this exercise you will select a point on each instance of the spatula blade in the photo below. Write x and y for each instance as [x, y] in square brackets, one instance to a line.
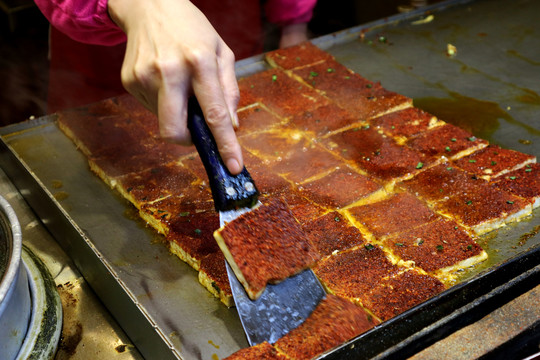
[281, 307]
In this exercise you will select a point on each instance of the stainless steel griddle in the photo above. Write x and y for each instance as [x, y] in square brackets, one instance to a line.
[157, 299]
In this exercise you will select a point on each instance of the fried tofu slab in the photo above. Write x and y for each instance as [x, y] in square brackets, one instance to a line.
[265, 245]
[384, 201]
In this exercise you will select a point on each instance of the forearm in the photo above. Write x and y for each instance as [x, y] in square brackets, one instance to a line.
[86, 21]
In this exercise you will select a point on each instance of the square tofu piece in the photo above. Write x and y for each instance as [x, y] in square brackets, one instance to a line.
[341, 188]
[112, 165]
[448, 141]
[351, 91]
[524, 183]
[280, 93]
[332, 233]
[156, 183]
[262, 351]
[256, 118]
[334, 321]
[493, 161]
[276, 145]
[401, 292]
[484, 209]
[403, 124]
[396, 214]
[297, 56]
[354, 272]
[439, 247]
[377, 154]
[323, 120]
[442, 181]
[213, 276]
[265, 245]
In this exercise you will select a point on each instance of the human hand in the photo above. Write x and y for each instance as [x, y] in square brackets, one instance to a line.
[293, 34]
[173, 51]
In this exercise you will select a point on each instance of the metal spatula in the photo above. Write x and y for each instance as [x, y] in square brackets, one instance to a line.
[281, 307]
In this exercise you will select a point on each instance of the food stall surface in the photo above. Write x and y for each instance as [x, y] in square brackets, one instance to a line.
[476, 60]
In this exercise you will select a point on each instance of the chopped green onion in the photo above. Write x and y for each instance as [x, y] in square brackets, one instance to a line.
[419, 165]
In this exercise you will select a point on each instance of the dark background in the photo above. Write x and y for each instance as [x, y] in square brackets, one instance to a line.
[24, 46]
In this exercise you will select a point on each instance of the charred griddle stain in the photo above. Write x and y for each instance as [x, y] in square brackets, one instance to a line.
[61, 195]
[57, 184]
[72, 329]
[121, 348]
[523, 238]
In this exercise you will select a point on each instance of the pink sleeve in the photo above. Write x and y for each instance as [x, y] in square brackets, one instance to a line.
[287, 12]
[85, 21]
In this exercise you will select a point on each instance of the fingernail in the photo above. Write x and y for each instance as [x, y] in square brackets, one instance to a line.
[235, 121]
[234, 166]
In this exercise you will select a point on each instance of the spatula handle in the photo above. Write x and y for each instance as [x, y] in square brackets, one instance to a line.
[229, 191]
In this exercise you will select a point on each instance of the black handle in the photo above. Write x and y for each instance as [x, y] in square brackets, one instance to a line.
[229, 191]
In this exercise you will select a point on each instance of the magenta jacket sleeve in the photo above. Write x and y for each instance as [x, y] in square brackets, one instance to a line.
[85, 21]
[286, 12]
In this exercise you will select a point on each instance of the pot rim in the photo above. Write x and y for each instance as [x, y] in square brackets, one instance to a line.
[14, 260]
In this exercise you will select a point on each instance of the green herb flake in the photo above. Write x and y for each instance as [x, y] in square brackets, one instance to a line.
[440, 248]
[528, 170]
[198, 231]
[337, 219]
[509, 202]
[274, 77]
[399, 244]
[382, 39]
[472, 138]
[493, 163]
[330, 70]
[449, 168]
[447, 148]
[469, 247]
[453, 139]
[469, 202]
[369, 86]
[512, 178]
[313, 74]
[185, 213]
[393, 127]
[369, 247]
[472, 161]
[419, 165]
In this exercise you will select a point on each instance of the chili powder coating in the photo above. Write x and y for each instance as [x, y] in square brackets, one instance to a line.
[395, 214]
[447, 140]
[439, 182]
[349, 90]
[266, 245]
[297, 56]
[524, 182]
[401, 292]
[352, 273]
[405, 123]
[280, 94]
[493, 161]
[262, 351]
[379, 155]
[435, 245]
[334, 321]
